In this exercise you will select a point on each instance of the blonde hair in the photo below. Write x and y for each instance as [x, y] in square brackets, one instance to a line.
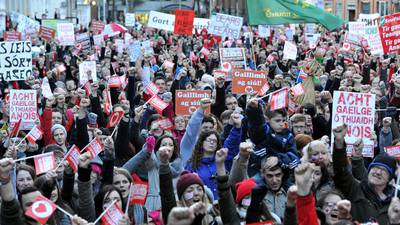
[124, 172]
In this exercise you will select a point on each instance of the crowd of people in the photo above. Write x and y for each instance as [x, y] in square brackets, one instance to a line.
[240, 163]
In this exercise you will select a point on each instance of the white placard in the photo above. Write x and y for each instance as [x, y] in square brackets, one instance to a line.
[15, 60]
[23, 105]
[87, 71]
[98, 40]
[357, 28]
[289, 50]
[162, 21]
[130, 19]
[357, 111]
[65, 34]
[372, 33]
[264, 31]
[200, 23]
[225, 25]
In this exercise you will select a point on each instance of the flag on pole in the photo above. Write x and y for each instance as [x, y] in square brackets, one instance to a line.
[44, 162]
[94, 148]
[107, 102]
[138, 193]
[41, 209]
[113, 215]
[15, 129]
[297, 90]
[87, 89]
[114, 119]
[152, 89]
[34, 134]
[72, 157]
[158, 104]
[279, 99]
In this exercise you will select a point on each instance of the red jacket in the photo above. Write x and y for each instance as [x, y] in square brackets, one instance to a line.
[46, 126]
[306, 213]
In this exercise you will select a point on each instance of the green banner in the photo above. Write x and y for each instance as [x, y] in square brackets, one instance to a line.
[277, 12]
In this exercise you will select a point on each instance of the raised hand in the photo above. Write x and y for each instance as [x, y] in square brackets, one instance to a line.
[303, 174]
[339, 134]
[165, 154]
[84, 160]
[245, 149]
[205, 103]
[357, 149]
[344, 208]
[220, 156]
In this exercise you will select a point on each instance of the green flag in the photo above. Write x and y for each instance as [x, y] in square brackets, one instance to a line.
[276, 12]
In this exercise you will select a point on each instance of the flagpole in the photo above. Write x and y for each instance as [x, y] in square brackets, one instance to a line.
[83, 149]
[116, 127]
[65, 212]
[272, 93]
[129, 198]
[31, 157]
[66, 155]
[104, 212]
[25, 137]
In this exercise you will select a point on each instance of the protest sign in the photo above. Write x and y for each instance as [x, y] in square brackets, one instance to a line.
[120, 45]
[357, 111]
[187, 102]
[200, 24]
[309, 28]
[12, 36]
[15, 60]
[146, 46]
[289, 50]
[41, 209]
[184, 22]
[84, 40]
[232, 58]
[135, 51]
[165, 124]
[98, 40]
[130, 19]
[97, 26]
[248, 81]
[47, 33]
[389, 30]
[158, 104]
[371, 33]
[87, 71]
[162, 21]
[225, 25]
[23, 105]
[264, 31]
[65, 34]
[357, 28]
[393, 151]
[46, 90]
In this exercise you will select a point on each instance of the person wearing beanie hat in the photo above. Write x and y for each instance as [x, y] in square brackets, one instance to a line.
[59, 135]
[243, 196]
[190, 188]
[371, 196]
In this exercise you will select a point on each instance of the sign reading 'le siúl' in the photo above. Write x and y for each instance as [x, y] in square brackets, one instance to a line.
[15, 60]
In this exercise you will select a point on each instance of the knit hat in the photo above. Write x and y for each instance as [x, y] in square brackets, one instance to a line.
[58, 126]
[386, 161]
[243, 189]
[185, 180]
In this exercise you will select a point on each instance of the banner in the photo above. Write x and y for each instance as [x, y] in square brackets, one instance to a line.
[94, 148]
[162, 21]
[47, 33]
[277, 12]
[15, 60]
[184, 22]
[289, 50]
[130, 19]
[357, 110]
[44, 163]
[138, 193]
[87, 71]
[12, 36]
[232, 58]
[34, 134]
[135, 50]
[279, 99]
[187, 102]
[389, 30]
[23, 105]
[151, 89]
[158, 104]
[248, 81]
[84, 40]
[66, 34]
[371, 32]
[113, 215]
[225, 25]
[72, 157]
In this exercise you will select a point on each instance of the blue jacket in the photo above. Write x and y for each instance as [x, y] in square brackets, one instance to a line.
[208, 169]
[191, 135]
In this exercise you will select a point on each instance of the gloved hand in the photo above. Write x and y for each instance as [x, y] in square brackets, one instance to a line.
[150, 142]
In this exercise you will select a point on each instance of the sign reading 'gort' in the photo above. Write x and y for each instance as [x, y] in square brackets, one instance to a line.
[15, 60]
